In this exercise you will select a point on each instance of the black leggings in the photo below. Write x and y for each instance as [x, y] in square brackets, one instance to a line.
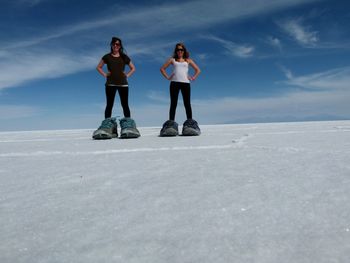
[124, 98]
[175, 88]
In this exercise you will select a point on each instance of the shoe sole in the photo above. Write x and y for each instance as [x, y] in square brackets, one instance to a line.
[102, 135]
[190, 132]
[129, 134]
[170, 132]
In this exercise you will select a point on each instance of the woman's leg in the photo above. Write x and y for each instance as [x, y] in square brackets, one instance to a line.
[124, 100]
[186, 96]
[174, 94]
[110, 95]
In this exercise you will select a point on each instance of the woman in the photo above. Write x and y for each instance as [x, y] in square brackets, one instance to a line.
[116, 80]
[180, 81]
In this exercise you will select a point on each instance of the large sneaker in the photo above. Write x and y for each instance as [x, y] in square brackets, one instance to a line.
[190, 128]
[128, 129]
[170, 128]
[107, 130]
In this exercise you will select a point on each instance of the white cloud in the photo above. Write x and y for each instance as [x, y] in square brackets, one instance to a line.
[275, 42]
[29, 66]
[237, 50]
[288, 73]
[334, 79]
[299, 32]
[159, 20]
[38, 62]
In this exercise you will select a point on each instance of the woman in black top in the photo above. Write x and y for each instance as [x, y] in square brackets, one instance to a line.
[116, 77]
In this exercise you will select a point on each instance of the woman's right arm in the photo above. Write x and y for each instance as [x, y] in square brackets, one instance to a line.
[100, 69]
[164, 67]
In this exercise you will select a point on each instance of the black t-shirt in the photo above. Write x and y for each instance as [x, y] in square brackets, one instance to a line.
[116, 66]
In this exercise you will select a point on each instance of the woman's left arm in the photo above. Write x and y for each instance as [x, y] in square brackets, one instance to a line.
[132, 69]
[197, 71]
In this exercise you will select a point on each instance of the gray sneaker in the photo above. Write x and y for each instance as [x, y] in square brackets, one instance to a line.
[107, 130]
[170, 128]
[190, 128]
[128, 129]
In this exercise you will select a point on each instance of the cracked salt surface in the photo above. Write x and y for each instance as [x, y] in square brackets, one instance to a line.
[237, 193]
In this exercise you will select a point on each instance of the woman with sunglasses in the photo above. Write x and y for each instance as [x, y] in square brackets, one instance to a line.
[116, 80]
[180, 81]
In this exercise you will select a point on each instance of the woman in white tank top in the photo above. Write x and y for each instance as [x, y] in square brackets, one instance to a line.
[180, 81]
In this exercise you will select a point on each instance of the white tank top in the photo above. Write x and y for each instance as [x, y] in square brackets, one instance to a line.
[180, 72]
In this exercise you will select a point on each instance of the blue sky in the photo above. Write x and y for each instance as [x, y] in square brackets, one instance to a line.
[285, 60]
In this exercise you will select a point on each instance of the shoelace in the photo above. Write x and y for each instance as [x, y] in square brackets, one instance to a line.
[191, 124]
[107, 123]
[127, 123]
[169, 124]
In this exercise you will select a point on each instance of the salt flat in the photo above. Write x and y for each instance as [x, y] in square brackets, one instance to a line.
[237, 193]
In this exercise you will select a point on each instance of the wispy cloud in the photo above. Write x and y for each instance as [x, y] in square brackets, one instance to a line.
[287, 72]
[331, 80]
[234, 49]
[275, 42]
[159, 21]
[304, 35]
[44, 65]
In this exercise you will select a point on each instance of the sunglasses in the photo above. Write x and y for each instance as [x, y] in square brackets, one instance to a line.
[179, 49]
[116, 44]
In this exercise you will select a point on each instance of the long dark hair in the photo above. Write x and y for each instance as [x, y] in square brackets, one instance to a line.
[186, 53]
